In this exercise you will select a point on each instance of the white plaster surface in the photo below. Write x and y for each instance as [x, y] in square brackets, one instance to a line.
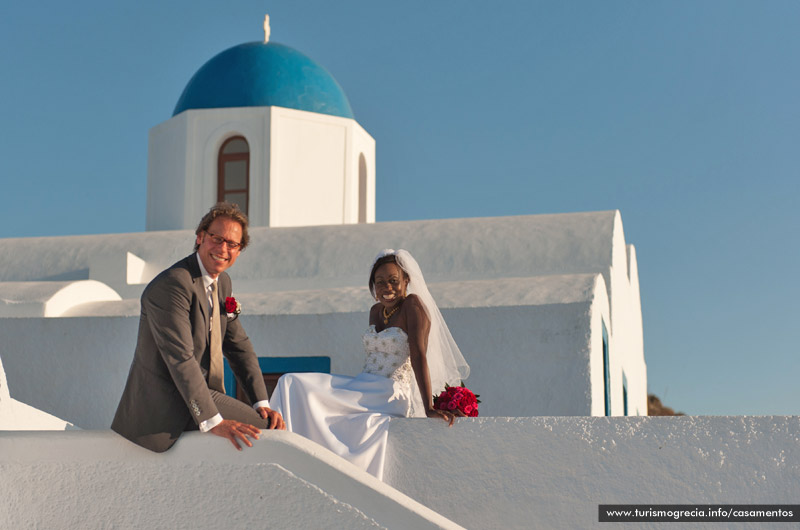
[539, 337]
[550, 472]
[50, 299]
[525, 297]
[17, 416]
[303, 166]
[96, 479]
[543, 472]
[338, 256]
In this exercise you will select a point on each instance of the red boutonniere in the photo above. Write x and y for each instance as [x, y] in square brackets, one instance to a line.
[232, 307]
[457, 397]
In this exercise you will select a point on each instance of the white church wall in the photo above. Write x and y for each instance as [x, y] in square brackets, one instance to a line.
[546, 371]
[338, 256]
[72, 480]
[486, 264]
[211, 128]
[537, 335]
[167, 162]
[635, 365]
[447, 249]
[309, 168]
[626, 357]
[182, 164]
[600, 316]
[360, 143]
[208, 130]
[306, 159]
[72, 368]
[18, 416]
[617, 281]
[126, 271]
[549, 472]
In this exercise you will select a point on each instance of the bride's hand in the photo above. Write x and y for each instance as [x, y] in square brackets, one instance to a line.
[447, 415]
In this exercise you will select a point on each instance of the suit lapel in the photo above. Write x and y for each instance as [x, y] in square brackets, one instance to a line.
[199, 288]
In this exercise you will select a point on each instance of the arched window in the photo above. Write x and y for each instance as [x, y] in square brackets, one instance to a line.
[232, 172]
[362, 189]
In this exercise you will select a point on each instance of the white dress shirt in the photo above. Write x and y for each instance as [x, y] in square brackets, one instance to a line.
[208, 281]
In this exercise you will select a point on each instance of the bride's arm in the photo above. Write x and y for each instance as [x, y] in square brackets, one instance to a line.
[419, 326]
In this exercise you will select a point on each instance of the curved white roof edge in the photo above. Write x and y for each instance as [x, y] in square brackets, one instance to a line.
[500, 292]
[77, 293]
[50, 299]
[340, 255]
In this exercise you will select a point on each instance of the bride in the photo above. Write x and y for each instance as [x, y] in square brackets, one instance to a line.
[410, 355]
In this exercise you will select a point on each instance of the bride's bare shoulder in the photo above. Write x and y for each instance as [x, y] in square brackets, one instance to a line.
[374, 313]
[414, 308]
[414, 299]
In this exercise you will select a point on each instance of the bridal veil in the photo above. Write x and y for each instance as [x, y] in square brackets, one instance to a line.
[446, 364]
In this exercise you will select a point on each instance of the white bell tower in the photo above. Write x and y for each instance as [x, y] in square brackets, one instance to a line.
[264, 126]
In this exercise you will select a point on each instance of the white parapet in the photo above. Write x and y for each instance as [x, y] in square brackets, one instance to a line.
[554, 472]
[543, 472]
[97, 479]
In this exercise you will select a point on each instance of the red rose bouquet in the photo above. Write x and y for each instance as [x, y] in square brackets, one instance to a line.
[457, 397]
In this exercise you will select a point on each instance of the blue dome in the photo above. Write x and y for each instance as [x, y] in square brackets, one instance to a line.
[259, 74]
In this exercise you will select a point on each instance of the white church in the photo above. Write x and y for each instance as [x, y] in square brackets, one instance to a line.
[546, 309]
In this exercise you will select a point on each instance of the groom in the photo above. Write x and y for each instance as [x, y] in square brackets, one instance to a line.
[175, 380]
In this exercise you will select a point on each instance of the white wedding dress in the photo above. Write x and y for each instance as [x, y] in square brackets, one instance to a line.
[350, 415]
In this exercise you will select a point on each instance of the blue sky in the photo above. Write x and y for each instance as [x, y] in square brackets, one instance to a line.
[683, 115]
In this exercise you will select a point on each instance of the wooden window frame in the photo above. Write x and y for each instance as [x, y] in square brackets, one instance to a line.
[222, 158]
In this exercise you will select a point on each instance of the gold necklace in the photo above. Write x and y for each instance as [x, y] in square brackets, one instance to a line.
[387, 316]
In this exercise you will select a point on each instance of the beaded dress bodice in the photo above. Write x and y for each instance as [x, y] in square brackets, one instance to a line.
[388, 354]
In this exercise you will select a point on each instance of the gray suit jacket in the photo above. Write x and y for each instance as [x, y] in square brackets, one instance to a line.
[167, 384]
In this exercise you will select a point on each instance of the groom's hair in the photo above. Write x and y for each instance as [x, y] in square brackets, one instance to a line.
[224, 209]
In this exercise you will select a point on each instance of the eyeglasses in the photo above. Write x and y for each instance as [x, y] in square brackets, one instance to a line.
[218, 240]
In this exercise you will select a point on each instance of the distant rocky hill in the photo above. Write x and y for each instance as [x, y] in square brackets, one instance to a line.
[656, 408]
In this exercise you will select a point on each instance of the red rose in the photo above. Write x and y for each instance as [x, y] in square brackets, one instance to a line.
[232, 306]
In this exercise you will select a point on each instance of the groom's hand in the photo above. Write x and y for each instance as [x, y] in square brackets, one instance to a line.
[274, 417]
[235, 430]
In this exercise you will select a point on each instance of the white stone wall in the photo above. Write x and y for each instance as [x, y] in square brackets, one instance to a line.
[526, 298]
[72, 368]
[98, 479]
[545, 472]
[544, 343]
[554, 472]
[313, 169]
[167, 167]
[18, 416]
